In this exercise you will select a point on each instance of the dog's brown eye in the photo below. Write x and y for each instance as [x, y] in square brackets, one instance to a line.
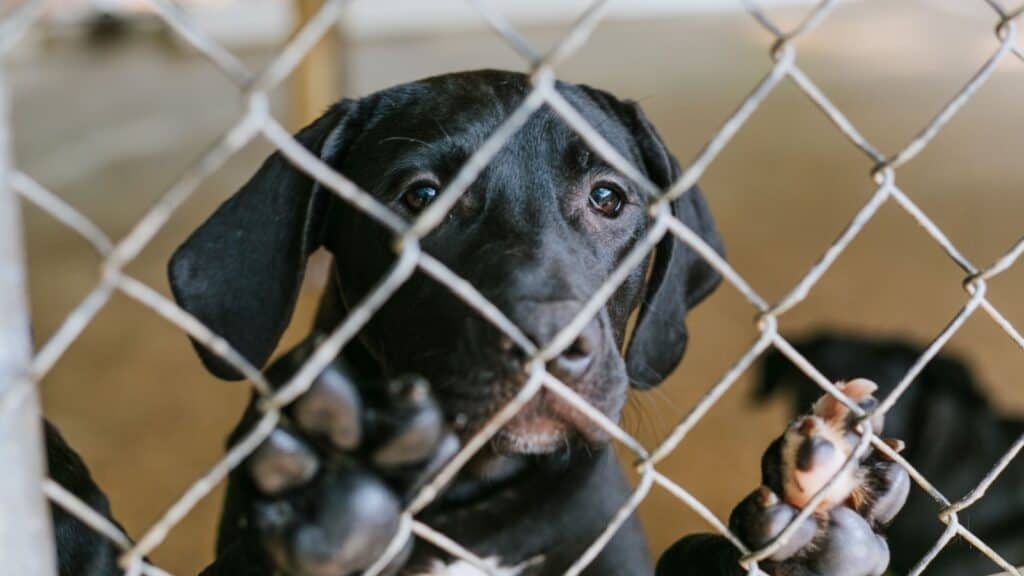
[417, 197]
[607, 201]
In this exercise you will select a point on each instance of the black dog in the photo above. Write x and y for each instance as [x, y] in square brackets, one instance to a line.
[954, 437]
[538, 232]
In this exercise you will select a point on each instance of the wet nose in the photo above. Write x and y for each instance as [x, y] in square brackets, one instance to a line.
[541, 322]
[574, 361]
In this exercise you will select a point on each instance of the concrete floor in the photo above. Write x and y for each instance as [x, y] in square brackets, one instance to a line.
[110, 130]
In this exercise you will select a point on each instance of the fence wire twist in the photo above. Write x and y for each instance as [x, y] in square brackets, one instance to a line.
[256, 121]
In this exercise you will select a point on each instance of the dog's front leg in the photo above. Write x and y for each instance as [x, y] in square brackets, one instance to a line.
[323, 494]
[842, 537]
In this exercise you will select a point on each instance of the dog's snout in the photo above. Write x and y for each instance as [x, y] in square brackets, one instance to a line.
[544, 320]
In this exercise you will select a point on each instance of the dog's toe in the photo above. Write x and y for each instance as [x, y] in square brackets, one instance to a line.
[849, 548]
[282, 461]
[408, 429]
[890, 486]
[331, 409]
[339, 524]
[762, 516]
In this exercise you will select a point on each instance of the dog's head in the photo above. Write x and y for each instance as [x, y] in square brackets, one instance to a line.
[539, 231]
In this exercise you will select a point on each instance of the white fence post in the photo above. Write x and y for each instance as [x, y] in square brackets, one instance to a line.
[26, 536]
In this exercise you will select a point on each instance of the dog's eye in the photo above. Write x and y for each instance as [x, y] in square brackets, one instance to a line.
[606, 200]
[418, 196]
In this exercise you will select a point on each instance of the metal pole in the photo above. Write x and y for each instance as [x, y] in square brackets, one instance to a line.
[26, 534]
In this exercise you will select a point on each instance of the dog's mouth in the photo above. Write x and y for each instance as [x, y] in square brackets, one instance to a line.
[545, 425]
[541, 437]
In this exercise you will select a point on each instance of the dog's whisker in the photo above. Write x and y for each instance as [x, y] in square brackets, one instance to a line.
[403, 139]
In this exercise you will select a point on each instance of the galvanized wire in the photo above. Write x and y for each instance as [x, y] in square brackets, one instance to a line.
[256, 120]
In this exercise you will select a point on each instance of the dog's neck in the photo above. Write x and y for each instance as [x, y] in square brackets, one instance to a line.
[553, 506]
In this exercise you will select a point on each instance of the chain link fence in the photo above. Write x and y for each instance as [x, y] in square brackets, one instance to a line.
[26, 548]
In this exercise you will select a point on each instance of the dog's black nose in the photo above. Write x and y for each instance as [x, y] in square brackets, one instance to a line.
[542, 321]
[573, 362]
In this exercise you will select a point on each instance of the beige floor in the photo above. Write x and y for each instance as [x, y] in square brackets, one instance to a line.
[111, 130]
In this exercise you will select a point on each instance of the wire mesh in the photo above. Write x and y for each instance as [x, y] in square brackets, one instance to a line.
[257, 122]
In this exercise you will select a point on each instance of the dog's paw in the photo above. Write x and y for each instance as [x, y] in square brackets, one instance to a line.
[840, 538]
[330, 482]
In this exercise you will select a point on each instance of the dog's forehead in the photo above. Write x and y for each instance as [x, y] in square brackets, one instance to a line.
[462, 110]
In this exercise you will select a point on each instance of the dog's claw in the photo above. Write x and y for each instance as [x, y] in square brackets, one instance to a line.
[896, 444]
[860, 391]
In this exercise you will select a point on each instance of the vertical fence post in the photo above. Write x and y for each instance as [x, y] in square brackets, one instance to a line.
[323, 73]
[26, 536]
[318, 81]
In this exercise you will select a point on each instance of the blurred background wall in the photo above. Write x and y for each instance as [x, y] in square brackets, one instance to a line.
[109, 119]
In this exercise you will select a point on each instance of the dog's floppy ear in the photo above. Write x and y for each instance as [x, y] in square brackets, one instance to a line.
[240, 272]
[679, 278]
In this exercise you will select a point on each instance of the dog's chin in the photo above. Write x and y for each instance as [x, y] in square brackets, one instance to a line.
[546, 434]
[534, 434]
[545, 426]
